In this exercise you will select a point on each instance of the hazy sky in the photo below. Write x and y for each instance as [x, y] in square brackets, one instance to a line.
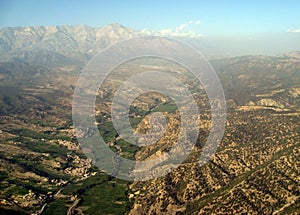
[210, 17]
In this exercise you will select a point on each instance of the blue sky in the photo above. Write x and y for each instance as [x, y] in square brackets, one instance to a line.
[216, 18]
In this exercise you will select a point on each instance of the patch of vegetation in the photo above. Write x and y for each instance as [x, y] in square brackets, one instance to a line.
[128, 150]
[15, 190]
[8, 211]
[106, 198]
[166, 107]
[33, 165]
[107, 131]
[30, 185]
[54, 150]
[99, 194]
[81, 186]
[37, 135]
[56, 207]
[3, 176]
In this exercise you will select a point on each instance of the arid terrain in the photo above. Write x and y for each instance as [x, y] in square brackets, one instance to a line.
[256, 169]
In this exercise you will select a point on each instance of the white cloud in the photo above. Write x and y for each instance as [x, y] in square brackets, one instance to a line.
[182, 26]
[166, 31]
[189, 29]
[294, 31]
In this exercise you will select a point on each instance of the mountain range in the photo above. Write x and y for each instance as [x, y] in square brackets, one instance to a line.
[81, 42]
[61, 39]
[57, 42]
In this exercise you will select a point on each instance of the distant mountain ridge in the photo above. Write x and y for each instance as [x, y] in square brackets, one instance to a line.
[62, 38]
[58, 45]
[70, 41]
